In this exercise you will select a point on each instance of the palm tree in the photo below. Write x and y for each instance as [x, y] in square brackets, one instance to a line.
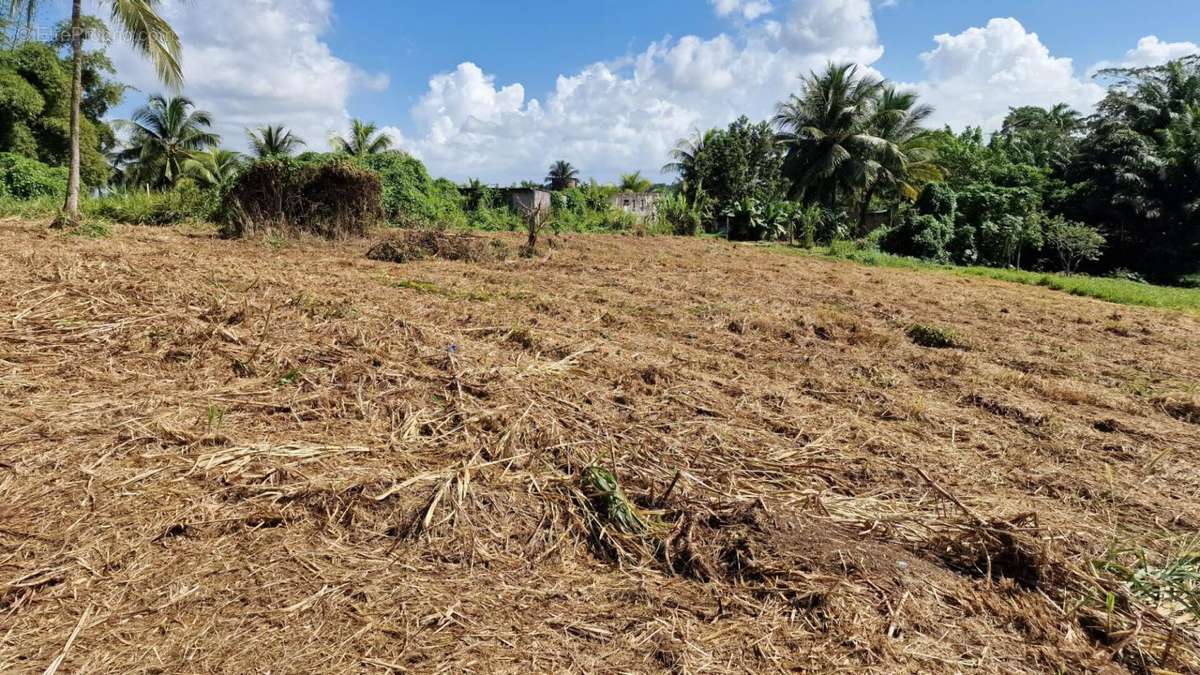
[1042, 137]
[562, 175]
[147, 32]
[273, 141]
[904, 160]
[215, 168]
[365, 139]
[165, 133]
[685, 161]
[633, 182]
[829, 135]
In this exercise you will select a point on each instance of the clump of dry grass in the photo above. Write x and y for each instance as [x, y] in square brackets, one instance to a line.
[935, 337]
[419, 244]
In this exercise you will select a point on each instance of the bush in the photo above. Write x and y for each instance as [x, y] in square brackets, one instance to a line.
[410, 196]
[186, 203]
[938, 199]
[330, 199]
[682, 218]
[25, 178]
[494, 218]
[922, 236]
[934, 337]
[1073, 243]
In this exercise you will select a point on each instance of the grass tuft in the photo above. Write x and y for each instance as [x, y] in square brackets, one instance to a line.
[934, 337]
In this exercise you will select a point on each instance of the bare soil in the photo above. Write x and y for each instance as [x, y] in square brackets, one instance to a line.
[264, 456]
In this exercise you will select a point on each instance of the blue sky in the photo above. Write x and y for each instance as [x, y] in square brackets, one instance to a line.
[497, 90]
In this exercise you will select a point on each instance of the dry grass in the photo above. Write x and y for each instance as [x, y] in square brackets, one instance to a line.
[216, 456]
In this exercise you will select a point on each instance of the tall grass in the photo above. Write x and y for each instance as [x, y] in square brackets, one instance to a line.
[1120, 291]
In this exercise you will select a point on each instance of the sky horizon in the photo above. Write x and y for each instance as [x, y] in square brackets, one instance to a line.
[497, 92]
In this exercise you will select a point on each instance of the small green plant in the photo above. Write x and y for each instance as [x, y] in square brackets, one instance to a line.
[91, 229]
[1170, 581]
[216, 416]
[934, 337]
[601, 487]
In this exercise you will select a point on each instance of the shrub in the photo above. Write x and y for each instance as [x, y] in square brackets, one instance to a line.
[410, 196]
[1073, 243]
[186, 203]
[934, 337]
[922, 236]
[25, 178]
[494, 218]
[683, 218]
[330, 199]
[938, 199]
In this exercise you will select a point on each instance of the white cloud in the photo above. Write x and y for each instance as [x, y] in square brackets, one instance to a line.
[610, 118]
[974, 77]
[1151, 51]
[256, 62]
[747, 9]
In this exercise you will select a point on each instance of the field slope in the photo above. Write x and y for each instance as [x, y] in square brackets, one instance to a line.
[228, 456]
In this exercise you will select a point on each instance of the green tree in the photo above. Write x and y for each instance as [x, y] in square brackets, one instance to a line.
[214, 168]
[904, 160]
[634, 182]
[736, 168]
[1135, 173]
[1045, 137]
[829, 131]
[35, 107]
[273, 141]
[164, 134]
[365, 139]
[561, 175]
[138, 21]
[1074, 243]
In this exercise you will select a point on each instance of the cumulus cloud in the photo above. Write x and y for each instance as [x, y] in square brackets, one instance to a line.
[974, 77]
[1151, 51]
[257, 62]
[610, 118]
[747, 9]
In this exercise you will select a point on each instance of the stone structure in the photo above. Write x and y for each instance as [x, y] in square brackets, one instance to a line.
[641, 204]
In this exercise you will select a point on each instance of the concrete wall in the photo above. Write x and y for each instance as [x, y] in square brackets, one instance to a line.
[525, 200]
[642, 204]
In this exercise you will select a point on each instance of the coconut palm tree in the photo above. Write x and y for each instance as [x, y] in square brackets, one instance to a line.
[829, 135]
[215, 168]
[164, 134]
[146, 31]
[562, 175]
[903, 160]
[633, 182]
[365, 139]
[273, 141]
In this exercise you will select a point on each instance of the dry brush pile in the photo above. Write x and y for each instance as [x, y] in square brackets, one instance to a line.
[673, 455]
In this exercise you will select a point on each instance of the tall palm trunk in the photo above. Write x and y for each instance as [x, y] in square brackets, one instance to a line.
[865, 210]
[71, 208]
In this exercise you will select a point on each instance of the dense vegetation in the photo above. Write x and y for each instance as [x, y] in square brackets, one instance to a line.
[848, 157]
[1117, 192]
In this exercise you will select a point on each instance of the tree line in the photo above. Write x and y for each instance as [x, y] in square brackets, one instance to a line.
[850, 156]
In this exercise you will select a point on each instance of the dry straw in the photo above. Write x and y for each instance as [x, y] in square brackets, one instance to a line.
[249, 456]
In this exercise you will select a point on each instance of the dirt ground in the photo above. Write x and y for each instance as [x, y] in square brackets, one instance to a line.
[274, 456]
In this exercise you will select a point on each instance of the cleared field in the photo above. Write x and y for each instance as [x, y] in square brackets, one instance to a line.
[233, 456]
